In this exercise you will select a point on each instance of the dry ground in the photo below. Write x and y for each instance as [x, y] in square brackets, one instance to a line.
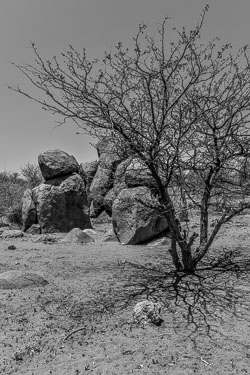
[81, 321]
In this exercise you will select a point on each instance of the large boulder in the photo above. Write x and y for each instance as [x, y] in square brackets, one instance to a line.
[57, 163]
[60, 204]
[29, 216]
[136, 217]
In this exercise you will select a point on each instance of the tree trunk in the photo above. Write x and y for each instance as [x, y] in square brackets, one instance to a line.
[187, 259]
[174, 254]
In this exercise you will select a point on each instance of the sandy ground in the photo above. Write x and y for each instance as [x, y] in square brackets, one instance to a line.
[81, 321]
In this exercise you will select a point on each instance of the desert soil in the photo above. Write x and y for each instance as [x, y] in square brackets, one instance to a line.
[81, 322]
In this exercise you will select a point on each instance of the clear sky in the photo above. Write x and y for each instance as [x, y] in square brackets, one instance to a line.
[25, 129]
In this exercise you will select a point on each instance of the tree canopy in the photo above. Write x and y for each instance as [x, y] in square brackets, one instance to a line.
[181, 106]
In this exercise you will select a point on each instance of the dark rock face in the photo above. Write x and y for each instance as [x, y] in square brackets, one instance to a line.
[60, 204]
[136, 218]
[55, 163]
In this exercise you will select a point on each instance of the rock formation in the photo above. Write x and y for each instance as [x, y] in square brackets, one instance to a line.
[60, 203]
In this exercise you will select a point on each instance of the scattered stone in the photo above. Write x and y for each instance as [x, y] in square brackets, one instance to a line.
[18, 279]
[57, 163]
[47, 238]
[12, 247]
[136, 218]
[147, 312]
[76, 235]
[34, 229]
[12, 233]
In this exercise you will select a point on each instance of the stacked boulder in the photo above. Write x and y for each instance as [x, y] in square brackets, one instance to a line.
[60, 203]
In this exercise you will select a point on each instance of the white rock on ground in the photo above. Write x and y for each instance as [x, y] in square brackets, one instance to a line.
[147, 312]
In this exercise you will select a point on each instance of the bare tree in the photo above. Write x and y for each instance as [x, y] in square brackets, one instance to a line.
[32, 174]
[179, 106]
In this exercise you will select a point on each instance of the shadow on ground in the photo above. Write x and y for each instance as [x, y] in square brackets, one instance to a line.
[217, 293]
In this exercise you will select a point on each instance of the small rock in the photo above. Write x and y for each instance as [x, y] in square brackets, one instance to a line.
[147, 312]
[46, 238]
[18, 279]
[12, 247]
[90, 232]
[110, 236]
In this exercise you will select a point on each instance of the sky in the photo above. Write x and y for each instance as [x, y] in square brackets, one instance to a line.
[97, 25]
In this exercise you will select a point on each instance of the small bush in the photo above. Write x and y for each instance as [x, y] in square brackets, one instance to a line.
[14, 214]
